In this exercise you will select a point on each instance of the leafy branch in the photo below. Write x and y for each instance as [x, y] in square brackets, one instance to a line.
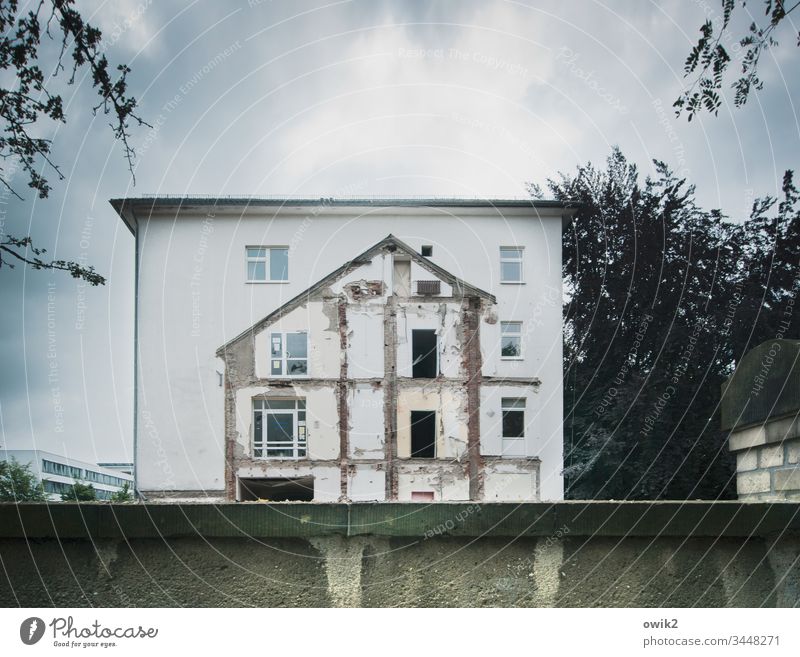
[18, 248]
[710, 57]
[26, 101]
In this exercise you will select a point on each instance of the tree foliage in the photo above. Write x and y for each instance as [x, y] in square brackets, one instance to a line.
[19, 484]
[80, 492]
[710, 58]
[123, 494]
[664, 298]
[27, 101]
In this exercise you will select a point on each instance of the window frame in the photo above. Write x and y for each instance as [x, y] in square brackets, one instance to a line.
[518, 335]
[507, 405]
[520, 260]
[260, 449]
[284, 359]
[266, 260]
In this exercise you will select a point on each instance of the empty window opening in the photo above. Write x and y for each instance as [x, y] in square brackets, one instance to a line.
[422, 496]
[426, 250]
[513, 409]
[277, 490]
[423, 434]
[423, 354]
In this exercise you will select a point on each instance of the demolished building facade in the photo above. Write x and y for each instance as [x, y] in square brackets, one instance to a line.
[390, 378]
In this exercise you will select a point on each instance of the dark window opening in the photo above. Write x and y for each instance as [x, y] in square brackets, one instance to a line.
[423, 353]
[426, 250]
[277, 490]
[423, 434]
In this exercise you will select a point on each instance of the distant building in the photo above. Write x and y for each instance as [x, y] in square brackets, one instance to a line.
[127, 468]
[58, 473]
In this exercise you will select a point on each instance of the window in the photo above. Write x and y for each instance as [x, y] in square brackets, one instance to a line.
[279, 428]
[266, 264]
[423, 354]
[511, 264]
[289, 354]
[513, 409]
[426, 250]
[423, 434]
[62, 469]
[511, 340]
[108, 480]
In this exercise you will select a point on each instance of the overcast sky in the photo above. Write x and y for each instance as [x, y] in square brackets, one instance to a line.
[367, 97]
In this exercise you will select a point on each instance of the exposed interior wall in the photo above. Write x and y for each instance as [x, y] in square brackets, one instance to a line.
[444, 318]
[511, 480]
[448, 400]
[447, 480]
[313, 317]
[322, 417]
[367, 438]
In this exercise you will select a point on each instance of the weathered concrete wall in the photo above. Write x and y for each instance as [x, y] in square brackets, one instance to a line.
[567, 554]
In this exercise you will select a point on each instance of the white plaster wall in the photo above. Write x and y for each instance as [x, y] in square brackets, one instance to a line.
[366, 422]
[192, 298]
[378, 269]
[491, 420]
[443, 318]
[450, 404]
[322, 418]
[367, 484]
[419, 273]
[510, 483]
[365, 341]
[447, 483]
[323, 341]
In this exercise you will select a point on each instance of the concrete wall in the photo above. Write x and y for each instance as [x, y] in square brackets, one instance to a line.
[684, 554]
[193, 297]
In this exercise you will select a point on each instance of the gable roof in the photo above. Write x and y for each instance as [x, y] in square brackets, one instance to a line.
[390, 243]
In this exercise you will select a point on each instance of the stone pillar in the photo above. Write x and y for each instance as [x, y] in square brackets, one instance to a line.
[767, 460]
[761, 410]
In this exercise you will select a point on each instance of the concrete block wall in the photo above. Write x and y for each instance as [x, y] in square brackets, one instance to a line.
[768, 460]
[583, 554]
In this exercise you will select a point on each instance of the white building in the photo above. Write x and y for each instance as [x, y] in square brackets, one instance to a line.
[348, 349]
[57, 473]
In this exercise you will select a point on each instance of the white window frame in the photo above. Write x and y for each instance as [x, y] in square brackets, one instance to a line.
[517, 335]
[299, 443]
[511, 404]
[266, 260]
[520, 260]
[285, 359]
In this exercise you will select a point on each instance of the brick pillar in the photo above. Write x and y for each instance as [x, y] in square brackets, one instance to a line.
[768, 459]
[472, 364]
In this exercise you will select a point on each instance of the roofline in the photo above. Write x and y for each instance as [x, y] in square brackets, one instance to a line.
[124, 206]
